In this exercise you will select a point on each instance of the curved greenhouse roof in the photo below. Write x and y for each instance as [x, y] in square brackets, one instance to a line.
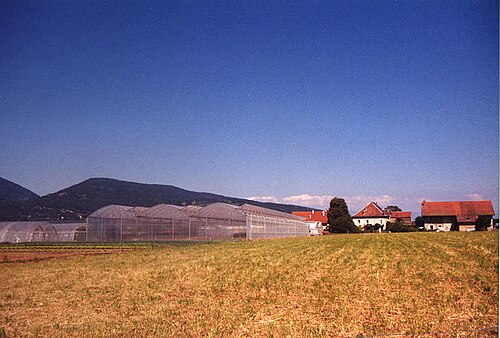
[114, 211]
[191, 209]
[138, 211]
[221, 211]
[165, 211]
[68, 232]
[49, 232]
[250, 209]
[18, 232]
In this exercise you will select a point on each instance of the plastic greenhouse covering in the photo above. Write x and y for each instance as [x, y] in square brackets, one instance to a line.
[71, 232]
[218, 221]
[162, 222]
[18, 232]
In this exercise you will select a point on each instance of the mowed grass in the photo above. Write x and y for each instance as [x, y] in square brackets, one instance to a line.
[337, 285]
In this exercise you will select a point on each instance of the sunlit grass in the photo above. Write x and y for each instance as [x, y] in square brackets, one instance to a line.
[338, 285]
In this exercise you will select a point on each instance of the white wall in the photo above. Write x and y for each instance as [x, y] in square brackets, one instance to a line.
[437, 226]
[361, 222]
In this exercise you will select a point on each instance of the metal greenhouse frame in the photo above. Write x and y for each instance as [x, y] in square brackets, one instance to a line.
[71, 232]
[218, 221]
[19, 232]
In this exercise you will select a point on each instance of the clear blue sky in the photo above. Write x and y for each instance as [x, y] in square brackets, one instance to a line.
[388, 100]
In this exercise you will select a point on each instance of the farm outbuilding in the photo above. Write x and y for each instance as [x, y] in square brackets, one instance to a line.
[21, 232]
[218, 221]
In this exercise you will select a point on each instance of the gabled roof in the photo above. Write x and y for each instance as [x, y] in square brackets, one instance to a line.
[371, 210]
[465, 211]
[313, 215]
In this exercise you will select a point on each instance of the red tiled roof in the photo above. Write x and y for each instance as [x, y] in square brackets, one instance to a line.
[371, 210]
[465, 211]
[400, 214]
[313, 215]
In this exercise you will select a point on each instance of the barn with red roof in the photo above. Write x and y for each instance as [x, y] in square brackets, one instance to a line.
[461, 215]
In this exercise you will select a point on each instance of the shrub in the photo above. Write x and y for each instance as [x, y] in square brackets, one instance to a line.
[399, 226]
[372, 227]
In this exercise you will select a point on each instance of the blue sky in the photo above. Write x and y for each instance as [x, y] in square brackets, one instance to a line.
[295, 101]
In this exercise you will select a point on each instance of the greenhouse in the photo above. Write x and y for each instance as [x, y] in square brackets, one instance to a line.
[71, 232]
[218, 221]
[114, 223]
[166, 222]
[268, 223]
[20, 232]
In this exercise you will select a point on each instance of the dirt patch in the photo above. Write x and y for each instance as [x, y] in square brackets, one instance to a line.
[18, 256]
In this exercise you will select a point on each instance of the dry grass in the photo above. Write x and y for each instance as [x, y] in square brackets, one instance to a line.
[338, 285]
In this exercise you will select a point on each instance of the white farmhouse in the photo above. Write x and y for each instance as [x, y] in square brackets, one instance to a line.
[372, 214]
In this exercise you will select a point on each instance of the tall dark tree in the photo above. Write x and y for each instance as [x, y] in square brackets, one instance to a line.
[339, 219]
[482, 223]
[392, 208]
[419, 222]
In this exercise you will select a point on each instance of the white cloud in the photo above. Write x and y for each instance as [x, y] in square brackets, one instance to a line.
[271, 199]
[315, 201]
[355, 203]
[475, 197]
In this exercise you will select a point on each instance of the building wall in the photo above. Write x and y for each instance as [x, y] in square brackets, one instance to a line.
[315, 228]
[467, 227]
[361, 222]
[432, 226]
[405, 220]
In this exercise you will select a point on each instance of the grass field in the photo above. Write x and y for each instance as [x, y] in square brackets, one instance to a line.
[337, 285]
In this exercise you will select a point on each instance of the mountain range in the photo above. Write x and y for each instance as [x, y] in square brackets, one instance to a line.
[78, 201]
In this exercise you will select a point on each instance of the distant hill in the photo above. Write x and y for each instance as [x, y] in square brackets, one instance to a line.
[12, 192]
[14, 200]
[80, 200]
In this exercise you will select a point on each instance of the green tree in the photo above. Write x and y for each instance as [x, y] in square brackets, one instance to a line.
[399, 226]
[372, 228]
[339, 219]
[392, 208]
[419, 222]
